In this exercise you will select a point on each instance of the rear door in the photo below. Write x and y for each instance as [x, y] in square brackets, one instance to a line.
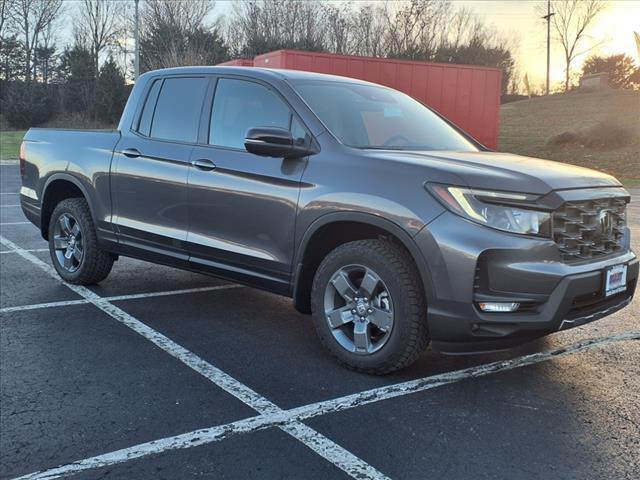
[242, 207]
[151, 166]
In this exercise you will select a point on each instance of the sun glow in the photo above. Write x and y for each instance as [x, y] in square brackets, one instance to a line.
[612, 33]
[616, 26]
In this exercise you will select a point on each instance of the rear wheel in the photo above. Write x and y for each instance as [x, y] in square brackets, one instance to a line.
[73, 244]
[368, 306]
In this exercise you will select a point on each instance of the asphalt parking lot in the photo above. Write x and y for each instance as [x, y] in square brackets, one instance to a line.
[163, 374]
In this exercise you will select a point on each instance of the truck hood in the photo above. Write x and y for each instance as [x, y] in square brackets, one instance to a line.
[505, 171]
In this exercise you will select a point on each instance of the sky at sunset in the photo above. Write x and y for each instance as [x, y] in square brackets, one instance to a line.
[519, 19]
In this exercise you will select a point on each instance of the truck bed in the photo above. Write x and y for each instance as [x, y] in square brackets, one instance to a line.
[84, 154]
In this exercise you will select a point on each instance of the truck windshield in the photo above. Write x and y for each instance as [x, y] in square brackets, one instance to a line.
[368, 116]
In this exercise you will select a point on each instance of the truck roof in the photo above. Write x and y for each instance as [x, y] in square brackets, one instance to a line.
[257, 72]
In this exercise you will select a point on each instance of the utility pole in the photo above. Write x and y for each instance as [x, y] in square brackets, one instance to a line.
[136, 35]
[547, 17]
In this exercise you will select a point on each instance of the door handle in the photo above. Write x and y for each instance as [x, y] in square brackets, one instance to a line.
[203, 164]
[131, 153]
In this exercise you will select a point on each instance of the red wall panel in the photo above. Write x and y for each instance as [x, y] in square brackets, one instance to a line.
[239, 62]
[468, 95]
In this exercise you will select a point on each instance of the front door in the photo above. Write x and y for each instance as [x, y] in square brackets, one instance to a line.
[242, 207]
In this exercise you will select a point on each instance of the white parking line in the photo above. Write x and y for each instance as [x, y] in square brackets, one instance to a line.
[5, 206]
[116, 298]
[329, 450]
[14, 223]
[32, 250]
[295, 415]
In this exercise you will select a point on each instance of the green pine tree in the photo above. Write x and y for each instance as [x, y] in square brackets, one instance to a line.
[111, 92]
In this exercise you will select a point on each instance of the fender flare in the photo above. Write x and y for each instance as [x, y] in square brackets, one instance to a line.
[376, 221]
[71, 179]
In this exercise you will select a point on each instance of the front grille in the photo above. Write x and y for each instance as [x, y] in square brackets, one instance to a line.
[589, 229]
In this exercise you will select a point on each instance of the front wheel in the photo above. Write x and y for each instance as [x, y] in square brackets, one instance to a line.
[73, 244]
[368, 306]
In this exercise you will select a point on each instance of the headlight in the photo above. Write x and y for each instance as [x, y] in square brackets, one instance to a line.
[492, 209]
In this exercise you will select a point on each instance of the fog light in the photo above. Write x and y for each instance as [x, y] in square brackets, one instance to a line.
[499, 306]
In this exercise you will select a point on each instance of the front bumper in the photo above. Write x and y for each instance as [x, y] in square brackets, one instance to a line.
[470, 263]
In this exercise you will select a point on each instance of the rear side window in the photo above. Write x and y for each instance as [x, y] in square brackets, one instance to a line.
[177, 112]
[240, 105]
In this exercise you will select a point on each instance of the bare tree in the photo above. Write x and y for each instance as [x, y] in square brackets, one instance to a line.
[32, 18]
[44, 55]
[95, 26]
[571, 22]
[5, 7]
[337, 21]
[434, 30]
[369, 26]
[185, 15]
[121, 46]
[176, 33]
[416, 28]
[260, 26]
[463, 26]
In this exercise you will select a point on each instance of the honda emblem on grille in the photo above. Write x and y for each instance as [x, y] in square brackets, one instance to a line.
[605, 224]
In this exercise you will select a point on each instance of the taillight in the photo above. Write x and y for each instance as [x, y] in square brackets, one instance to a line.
[23, 159]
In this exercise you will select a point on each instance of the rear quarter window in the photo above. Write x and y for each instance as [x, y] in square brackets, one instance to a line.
[144, 126]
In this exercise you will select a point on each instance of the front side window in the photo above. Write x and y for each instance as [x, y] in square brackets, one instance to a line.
[369, 116]
[240, 105]
[177, 112]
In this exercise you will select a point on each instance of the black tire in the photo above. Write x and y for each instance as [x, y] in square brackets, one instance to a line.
[95, 263]
[408, 337]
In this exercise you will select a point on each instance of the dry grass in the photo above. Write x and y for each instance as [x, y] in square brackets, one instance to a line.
[598, 119]
[79, 121]
[603, 136]
[10, 144]
[10, 139]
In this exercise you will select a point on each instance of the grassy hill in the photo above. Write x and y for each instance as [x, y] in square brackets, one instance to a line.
[527, 126]
[10, 144]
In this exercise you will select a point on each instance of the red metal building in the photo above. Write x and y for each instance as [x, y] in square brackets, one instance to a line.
[468, 95]
[239, 62]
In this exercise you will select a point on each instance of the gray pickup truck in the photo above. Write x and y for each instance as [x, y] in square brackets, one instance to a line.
[387, 223]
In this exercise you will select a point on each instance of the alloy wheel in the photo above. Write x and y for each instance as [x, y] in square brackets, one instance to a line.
[359, 309]
[68, 243]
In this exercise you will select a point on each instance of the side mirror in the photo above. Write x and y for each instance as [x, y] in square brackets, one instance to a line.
[275, 142]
